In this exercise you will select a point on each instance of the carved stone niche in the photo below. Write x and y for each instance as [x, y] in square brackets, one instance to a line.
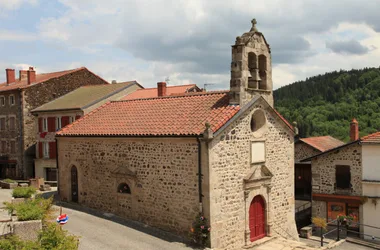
[124, 173]
[259, 175]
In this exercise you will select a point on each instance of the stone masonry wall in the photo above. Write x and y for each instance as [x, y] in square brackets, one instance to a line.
[164, 192]
[303, 151]
[230, 163]
[42, 93]
[323, 170]
[8, 135]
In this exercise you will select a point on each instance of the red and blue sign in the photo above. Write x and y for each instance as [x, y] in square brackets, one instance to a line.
[62, 219]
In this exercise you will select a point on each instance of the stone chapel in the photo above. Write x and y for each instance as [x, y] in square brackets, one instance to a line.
[162, 160]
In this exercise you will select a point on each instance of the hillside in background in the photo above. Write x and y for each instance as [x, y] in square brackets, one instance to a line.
[325, 104]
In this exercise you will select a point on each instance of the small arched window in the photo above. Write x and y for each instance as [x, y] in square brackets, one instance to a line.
[123, 188]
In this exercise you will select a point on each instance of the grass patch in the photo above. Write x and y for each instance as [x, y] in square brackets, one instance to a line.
[23, 192]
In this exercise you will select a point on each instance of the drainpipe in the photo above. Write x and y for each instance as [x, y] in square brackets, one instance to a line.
[200, 174]
[56, 163]
[21, 134]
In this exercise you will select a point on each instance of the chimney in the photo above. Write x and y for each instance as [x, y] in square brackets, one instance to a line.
[354, 130]
[11, 76]
[161, 88]
[23, 74]
[31, 75]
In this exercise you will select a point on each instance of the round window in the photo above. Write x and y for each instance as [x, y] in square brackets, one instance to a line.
[258, 121]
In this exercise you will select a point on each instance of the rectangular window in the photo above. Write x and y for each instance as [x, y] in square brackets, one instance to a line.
[45, 124]
[12, 123]
[343, 177]
[58, 123]
[13, 147]
[3, 146]
[45, 149]
[2, 101]
[11, 100]
[2, 123]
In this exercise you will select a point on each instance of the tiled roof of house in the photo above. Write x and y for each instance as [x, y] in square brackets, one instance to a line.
[84, 96]
[162, 116]
[152, 92]
[20, 84]
[322, 143]
[372, 138]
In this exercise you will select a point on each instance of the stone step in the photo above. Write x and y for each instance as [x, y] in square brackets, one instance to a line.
[363, 242]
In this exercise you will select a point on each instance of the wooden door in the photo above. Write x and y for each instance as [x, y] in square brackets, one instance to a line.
[74, 184]
[257, 218]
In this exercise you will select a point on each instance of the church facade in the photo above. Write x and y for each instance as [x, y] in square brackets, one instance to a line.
[162, 160]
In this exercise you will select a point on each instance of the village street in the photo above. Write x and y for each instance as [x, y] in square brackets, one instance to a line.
[105, 231]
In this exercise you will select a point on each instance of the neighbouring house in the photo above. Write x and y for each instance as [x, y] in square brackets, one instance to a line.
[162, 160]
[62, 111]
[305, 148]
[18, 96]
[162, 90]
[345, 180]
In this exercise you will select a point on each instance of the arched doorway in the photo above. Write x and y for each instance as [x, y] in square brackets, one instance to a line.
[257, 220]
[74, 184]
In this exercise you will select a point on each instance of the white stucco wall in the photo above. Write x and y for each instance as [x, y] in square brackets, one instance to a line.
[371, 171]
[371, 209]
[371, 161]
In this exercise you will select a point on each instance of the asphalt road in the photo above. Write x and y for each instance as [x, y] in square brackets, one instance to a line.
[99, 232]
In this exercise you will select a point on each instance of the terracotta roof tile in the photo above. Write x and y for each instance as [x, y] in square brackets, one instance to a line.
[372, 138]
[152, 92]
[323, 143]
[39, 79]
[162, 116]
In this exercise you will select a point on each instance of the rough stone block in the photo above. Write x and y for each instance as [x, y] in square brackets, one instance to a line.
[306, 232]
[45, 187]
[23, 185]
[27, 230]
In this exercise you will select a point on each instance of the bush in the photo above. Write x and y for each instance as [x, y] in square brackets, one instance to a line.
[23, 192]
[8, 181]
[51, 237]
[30, 209]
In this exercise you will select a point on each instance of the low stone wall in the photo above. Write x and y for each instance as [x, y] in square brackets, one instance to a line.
[27, 230]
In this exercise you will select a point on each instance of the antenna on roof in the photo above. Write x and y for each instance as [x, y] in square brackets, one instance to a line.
[167, 79]
[207, 84]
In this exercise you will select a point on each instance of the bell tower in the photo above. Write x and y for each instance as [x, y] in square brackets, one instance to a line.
[251, 68]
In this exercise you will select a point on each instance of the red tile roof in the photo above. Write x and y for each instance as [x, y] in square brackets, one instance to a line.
[322, 143]
[372, 138]
[39, 79]
[152, 92]
[162, 116]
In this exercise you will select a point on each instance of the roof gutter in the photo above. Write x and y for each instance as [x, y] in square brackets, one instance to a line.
[127, 136]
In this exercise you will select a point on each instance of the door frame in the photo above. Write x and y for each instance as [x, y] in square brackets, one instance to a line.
[262, 200]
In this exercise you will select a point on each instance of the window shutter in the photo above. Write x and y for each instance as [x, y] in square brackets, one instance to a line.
[77, 117]
[40, 121]
[40, 150]
[51, 124]
[52, 150]
[65, 120]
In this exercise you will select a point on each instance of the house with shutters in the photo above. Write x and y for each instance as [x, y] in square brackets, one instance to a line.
[305, 148]
[346, 180]
[18, 96]
[54, 115]
[163, 160]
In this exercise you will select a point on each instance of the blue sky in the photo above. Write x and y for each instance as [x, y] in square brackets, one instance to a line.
[187, 41]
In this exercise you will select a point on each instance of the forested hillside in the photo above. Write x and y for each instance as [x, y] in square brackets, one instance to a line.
[325, 104]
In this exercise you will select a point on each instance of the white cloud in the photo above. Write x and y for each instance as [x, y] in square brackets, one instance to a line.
[189, 41]
[11, 5]
[8, 35]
